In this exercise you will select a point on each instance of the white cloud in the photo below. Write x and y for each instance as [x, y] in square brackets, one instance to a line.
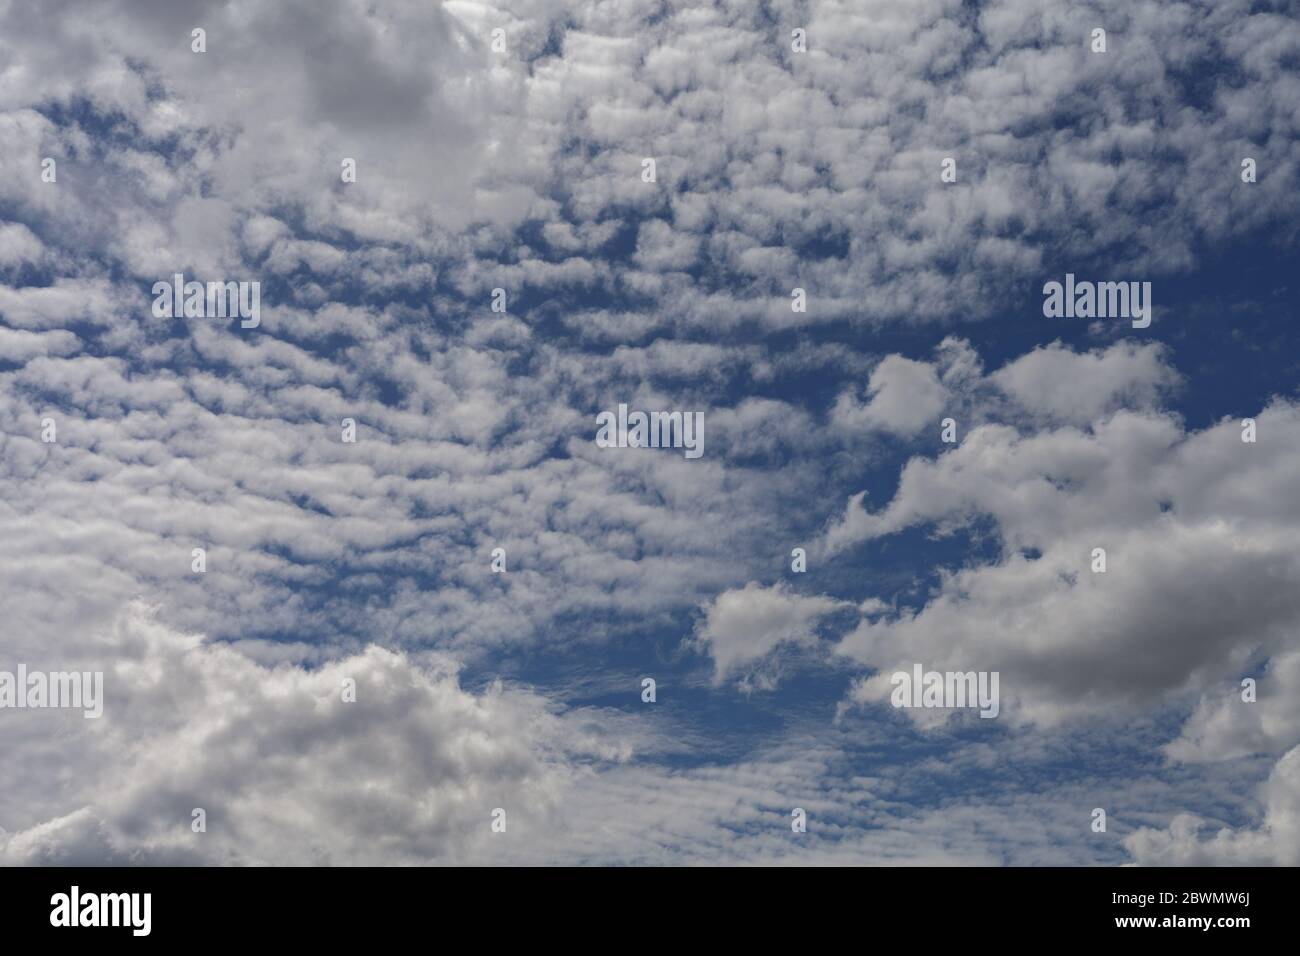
[1225, 726]
[1274, 842]
[904, 397]
[775, 170]
[1165, 506]
[743, 627]
[286, 770]
[1057, 384]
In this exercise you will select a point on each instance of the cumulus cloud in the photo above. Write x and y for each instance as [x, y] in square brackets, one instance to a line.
[1226, 725]
[1051, 385]
[1057, 384]
[1192, 841]
[1167, 507]
[742, 627]
[904, 397]
[286, 770]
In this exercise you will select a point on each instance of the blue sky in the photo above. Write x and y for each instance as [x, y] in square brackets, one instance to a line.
[521, 169]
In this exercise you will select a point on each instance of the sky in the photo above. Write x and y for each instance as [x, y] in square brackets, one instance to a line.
[348, 680]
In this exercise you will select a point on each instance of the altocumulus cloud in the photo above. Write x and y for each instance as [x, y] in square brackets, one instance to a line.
[478, 170]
